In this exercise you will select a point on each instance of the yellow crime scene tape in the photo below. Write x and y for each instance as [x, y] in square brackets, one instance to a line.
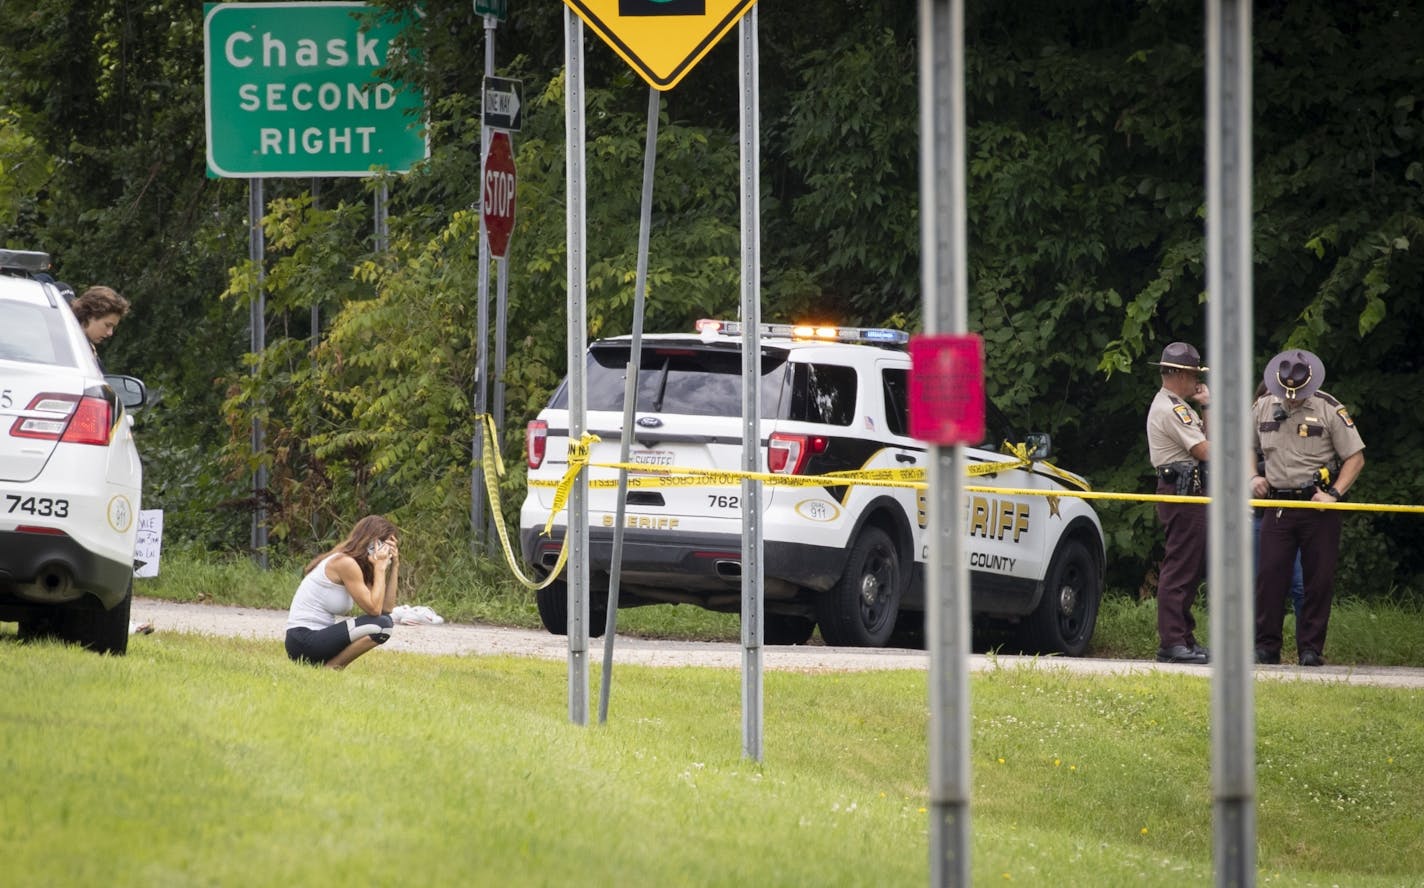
[682, 476]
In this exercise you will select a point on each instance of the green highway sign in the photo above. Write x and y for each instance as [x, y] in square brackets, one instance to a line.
[497, 8]
[292, 91]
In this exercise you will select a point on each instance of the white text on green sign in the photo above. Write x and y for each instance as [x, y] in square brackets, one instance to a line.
[292, 90]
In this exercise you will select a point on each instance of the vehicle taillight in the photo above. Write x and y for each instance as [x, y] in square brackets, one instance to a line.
[787, 454]
[536, 435]
[86, 420]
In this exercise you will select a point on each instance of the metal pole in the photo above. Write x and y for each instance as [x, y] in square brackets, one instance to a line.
[501, 350]
[477, 490]
[944, 279]
[379, 204]
[630, 402]
[1230, 547]
[577, 239]
[753, 618]
[257, 252]
[316, 297]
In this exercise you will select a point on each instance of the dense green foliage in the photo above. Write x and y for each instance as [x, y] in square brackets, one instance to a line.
[1085, 208]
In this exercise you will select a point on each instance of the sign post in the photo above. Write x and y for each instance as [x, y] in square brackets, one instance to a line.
[291, 90]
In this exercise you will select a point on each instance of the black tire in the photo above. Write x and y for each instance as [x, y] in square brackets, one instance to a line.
[99, 630]
[553, 604]
[787, 629]
[1064, 620]
[862, 608]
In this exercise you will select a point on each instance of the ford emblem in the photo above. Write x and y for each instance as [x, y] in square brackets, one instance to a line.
[649, 422]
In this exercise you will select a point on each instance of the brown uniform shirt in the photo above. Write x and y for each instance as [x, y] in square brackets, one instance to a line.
[1318, 432]
[1173, 429]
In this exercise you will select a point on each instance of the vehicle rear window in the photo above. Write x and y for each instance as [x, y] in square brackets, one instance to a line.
[33, 333]
[678, 379]
[696, 381]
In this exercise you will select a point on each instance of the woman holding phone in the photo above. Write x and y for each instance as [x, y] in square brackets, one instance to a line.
[362, 571]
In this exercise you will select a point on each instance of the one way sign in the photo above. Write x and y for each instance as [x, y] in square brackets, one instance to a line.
[502, 103]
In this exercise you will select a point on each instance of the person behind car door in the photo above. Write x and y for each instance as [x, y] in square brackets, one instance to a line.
[99, 310]
[1178, 448]
[1312, 451]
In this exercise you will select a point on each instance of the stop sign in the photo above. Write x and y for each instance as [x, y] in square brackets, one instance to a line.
[498, 202]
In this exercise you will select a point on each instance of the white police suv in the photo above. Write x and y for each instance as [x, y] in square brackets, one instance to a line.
[849, 559]
[70, 476]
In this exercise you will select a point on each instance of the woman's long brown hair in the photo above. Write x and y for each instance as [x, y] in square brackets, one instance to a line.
[371, 529]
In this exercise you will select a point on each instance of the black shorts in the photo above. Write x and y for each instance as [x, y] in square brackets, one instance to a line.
[319, 646]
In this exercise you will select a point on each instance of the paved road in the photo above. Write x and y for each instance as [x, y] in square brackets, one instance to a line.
[480, 640]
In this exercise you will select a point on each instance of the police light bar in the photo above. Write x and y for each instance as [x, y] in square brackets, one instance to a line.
[871, 335]
[24, 260]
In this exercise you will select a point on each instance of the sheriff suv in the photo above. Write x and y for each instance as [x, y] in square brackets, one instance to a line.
[850, 560]
[69, 471]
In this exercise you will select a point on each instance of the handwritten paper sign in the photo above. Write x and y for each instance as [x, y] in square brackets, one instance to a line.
[148, 542]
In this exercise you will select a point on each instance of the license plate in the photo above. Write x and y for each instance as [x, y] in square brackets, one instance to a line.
[650, 458]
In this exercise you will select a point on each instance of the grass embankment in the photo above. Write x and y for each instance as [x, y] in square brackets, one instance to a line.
[217, 761]
[1376, 633]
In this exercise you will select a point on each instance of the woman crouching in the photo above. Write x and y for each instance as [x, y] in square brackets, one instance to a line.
[319, 628]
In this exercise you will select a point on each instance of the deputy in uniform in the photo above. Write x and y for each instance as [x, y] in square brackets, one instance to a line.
[1177, 446]
[1312, 452]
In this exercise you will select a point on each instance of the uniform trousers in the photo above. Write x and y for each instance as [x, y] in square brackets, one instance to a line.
[1315, 535]
[1183, 568]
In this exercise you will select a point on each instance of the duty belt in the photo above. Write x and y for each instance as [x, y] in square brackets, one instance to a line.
[1188, 476]
[1292, 493]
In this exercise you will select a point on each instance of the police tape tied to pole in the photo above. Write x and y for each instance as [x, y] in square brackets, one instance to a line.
[681, 476]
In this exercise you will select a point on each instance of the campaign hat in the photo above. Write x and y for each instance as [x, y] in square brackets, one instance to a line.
[1181, 356]
[1294, 374]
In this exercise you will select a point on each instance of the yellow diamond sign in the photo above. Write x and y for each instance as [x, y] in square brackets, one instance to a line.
[661, 39]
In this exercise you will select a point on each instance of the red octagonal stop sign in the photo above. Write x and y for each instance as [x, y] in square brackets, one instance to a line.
[498, 202]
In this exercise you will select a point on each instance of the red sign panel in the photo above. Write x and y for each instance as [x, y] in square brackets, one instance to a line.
[497, 205]
[947, 389]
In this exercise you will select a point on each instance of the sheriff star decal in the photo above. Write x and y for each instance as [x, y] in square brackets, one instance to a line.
[1053, 507]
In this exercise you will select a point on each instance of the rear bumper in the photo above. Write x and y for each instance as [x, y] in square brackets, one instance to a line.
[710, 562]
[46, 569]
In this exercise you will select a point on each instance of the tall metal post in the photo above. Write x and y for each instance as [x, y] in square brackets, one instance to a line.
[381, 233]
[257, 252]
[944, 279]
[1231, 555]
[501, 350]
[316, 298]
[753, 618]
[577, 240]
[477, 489]
[630, 402]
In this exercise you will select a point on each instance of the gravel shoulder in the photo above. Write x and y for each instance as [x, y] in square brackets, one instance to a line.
[466, 639]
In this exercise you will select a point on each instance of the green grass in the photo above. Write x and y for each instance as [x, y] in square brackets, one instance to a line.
[1380, 632]
[218, 762]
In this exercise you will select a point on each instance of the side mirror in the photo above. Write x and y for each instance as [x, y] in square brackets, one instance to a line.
[1040, 445]
[132, 393]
